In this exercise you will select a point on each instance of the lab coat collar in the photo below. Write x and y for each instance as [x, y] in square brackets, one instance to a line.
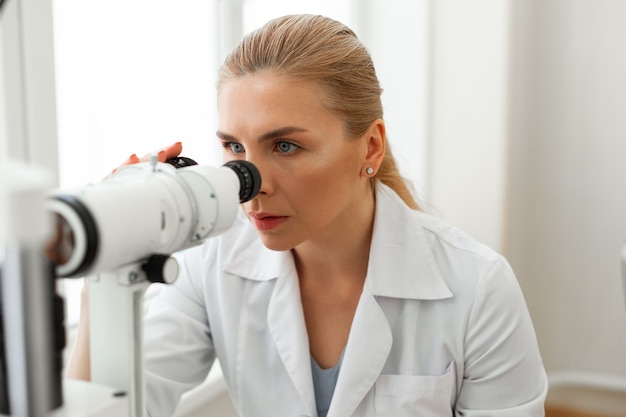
[251, 259]
[402, 263]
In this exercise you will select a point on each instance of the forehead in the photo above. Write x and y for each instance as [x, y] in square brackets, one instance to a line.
[269, 98]
[268, 83]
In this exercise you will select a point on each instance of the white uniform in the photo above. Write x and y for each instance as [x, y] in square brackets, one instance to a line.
[441, 328]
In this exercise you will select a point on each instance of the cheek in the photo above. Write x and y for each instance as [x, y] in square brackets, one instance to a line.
[319, 189]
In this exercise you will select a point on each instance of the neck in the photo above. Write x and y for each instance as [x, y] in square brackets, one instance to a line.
[337, 262]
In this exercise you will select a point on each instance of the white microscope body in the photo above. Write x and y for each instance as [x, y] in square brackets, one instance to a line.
[120, 233]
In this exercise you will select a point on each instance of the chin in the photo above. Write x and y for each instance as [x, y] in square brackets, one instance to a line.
[276, 244]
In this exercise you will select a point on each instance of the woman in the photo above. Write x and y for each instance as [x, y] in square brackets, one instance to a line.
[333, 294]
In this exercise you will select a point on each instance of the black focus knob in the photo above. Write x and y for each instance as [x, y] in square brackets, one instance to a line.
[161, 268]
[181, 162]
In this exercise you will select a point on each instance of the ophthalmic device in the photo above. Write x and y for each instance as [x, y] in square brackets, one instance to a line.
[119, 234]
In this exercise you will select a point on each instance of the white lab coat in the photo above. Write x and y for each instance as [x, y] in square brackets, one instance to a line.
[441, 328]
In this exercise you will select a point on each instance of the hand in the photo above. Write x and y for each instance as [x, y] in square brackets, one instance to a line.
[163, 155]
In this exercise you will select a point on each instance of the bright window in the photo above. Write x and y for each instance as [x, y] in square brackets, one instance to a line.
[132, 76]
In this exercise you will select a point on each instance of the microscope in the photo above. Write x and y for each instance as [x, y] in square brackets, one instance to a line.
[119, 234]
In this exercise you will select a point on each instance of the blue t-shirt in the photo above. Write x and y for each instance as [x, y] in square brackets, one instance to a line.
[324, 382]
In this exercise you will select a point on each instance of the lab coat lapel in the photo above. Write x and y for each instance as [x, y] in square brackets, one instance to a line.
[401, 266]
[366, 353]
[285, 318]
[286, 323]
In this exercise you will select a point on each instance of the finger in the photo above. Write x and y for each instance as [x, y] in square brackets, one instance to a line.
[133, 159]
[160, 156]
[165, 153]
[173, 150]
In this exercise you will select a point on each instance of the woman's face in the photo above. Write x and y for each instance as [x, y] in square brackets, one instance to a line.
[312, 174]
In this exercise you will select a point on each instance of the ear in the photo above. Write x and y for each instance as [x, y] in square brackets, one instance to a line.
[376, 141]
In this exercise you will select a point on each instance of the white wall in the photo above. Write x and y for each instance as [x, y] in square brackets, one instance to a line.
[528, 154]
[567, 216]
[468, 115]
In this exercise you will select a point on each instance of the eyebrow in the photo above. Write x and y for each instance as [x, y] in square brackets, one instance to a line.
[273, 134]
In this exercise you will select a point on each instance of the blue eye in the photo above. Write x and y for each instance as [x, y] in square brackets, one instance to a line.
[235, 147]
[286, 147]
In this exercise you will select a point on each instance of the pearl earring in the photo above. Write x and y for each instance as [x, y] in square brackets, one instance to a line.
[369, 170]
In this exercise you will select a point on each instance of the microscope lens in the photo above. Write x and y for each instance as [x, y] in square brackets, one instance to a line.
[60, 247]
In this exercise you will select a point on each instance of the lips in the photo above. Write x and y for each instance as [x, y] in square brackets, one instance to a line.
[265, 221]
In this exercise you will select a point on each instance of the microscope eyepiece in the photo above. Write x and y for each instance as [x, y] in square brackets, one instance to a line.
[249, 179]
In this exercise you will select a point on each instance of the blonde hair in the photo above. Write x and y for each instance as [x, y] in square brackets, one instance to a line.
[324, 51]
